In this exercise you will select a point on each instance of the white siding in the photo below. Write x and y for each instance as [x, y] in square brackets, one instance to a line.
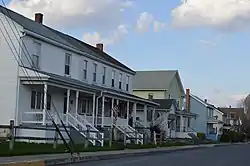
[8, 71]
[52, 60]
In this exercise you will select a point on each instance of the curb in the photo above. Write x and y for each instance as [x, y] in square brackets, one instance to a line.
[142, 152]
[25, 163]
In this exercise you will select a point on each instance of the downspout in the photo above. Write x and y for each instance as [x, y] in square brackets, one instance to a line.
[96, 108]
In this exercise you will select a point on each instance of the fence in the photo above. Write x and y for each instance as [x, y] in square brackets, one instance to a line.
[132, 137]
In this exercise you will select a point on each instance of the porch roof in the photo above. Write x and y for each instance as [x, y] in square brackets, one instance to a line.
[71, 82]
[186, 113]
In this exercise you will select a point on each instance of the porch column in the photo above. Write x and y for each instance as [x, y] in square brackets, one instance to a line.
[93, 111]
[103, 102]
[77, 97]
[127, 112]
[134, 114]
[181, 123]
[153, 116]
[112, 112]
[145, 116]
[45, 89]
[68, 95]
[167, 129]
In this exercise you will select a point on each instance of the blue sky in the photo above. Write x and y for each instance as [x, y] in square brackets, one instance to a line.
[211, 52]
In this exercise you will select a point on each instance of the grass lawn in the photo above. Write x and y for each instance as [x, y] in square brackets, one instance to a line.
[33, 148]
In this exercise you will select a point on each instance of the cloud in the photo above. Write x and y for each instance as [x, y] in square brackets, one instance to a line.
[146, 20]
[97, 14]
[230, 15]
[208, 43]
[117, 35]
[222, 99]
[159, 26]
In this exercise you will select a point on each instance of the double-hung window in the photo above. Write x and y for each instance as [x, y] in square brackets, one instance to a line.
[127, 83]
[113, 79]
[36, 55]
[67, 64]
[94, 73]
[104, 75]
[85, 69]
[120, 81]
[37, 101]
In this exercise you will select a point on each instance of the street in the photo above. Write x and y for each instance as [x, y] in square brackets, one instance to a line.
[237, 155]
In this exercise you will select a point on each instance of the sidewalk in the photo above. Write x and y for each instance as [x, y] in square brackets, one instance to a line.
[54, 159]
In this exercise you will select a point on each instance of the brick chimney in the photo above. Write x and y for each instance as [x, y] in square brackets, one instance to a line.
[99, 46]
[188, 100]
[39, 18]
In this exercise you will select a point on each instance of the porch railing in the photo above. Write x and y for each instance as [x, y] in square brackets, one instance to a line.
[32, 117]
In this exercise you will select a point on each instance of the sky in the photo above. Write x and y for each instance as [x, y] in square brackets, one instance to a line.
[207, 41]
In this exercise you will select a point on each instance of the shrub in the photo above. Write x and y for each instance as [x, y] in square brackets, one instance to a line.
[233, 137]
[201, 136]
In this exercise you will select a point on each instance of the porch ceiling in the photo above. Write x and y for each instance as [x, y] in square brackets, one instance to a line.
[74, 83]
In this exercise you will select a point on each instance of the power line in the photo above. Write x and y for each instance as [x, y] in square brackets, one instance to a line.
[36, 72]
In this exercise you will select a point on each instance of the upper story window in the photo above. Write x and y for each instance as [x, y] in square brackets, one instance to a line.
[104, 75]
[95, 71]
[127, 83]
[120, 81]
[232, 115]
[67, 64]
[150, 96]
[85, 69]
[36, 55]
[210, 113]
[113, 79]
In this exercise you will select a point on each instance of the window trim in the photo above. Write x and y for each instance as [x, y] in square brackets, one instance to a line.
[95, 72]
[85, 70]
[69, 64]
[127, 82]
[120, 81]
[40, 105]
[104, 75]
[36, 53]
[113, 78]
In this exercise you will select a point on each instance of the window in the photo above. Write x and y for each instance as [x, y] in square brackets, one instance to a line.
[94, 73]
[210, 113]
[36, 55]
[127, 83]
[113, 79]
[67, 64]
[232, 115]
[85, 106]
[85, 67]
[150, 96]
[120, 81]
[104, 75]
[37, 100]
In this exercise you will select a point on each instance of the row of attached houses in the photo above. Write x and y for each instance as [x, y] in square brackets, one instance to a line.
[48, 75]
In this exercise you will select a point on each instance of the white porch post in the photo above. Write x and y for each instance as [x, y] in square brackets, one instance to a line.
[45, 89]
[68, 95]
[134, 114]
[93, 111]
[77, 97]
[112, 112]
[145, 116]
[127, 112]
[103, 102]
[153, 116]
[181, 123]
[167, 129]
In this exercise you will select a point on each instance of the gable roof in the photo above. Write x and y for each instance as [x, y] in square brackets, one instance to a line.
[157, 80]
[238, 111]
[60, 37]
[164, 103]
[200, 100]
